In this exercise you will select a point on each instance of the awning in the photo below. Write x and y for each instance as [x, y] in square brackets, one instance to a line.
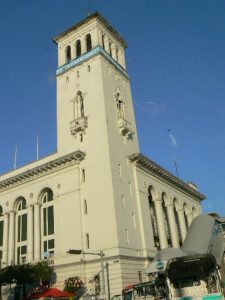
[161, 259]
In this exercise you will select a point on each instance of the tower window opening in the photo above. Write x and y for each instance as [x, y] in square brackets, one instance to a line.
[68, 54]
[83, 175]
[87, 241]
[67, 79]
[78, 74]
[81, 137]
[89, 68]
[103, 41]
[78, 48]
[110, 48]
[85, 207]
[88, 42]
[117, 54]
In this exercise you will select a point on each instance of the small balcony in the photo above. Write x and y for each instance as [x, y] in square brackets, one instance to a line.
[78, 125]
[124, 127]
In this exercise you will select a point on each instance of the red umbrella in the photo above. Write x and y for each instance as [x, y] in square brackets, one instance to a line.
[53, 293]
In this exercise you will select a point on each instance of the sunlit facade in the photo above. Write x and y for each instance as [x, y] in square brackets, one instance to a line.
[97, 192]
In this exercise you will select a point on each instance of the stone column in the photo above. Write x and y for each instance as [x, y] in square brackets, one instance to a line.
[160, 223]
[73, 51]
[95, 37]
[83, 44]
[172, 225]
[11, 247]
[30, 233]
[37, 241]
[183, 228]
[5, 239]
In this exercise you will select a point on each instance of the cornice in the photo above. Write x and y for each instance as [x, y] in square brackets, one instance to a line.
[42, 170]
[162, 174]
[98, 16]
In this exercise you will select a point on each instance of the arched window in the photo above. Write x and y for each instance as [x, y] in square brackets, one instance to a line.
[88, 42]
[78, 48]
[68, 54]
[21, 234]
[48, 241]
[117, 54]
[103, 41]
[153, 219]
[110, 48]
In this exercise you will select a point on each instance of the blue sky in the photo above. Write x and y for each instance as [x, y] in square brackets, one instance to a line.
[176, 62]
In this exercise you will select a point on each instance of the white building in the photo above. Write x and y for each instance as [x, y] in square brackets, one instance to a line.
[97, 192]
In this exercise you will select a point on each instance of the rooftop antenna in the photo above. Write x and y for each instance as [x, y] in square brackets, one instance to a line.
[175, 164]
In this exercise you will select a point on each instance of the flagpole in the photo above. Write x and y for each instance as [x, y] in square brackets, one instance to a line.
[15, 157]
[37, 147]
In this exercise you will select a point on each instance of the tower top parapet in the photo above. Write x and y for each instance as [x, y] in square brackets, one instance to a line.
[95, 15]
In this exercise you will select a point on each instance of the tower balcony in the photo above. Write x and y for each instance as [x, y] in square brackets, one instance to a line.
[78, 125]
[124, 127]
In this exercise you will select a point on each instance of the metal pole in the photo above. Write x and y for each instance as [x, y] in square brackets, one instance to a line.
[107, 277]
[103, 274]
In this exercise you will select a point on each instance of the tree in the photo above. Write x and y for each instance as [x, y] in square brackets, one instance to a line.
[42, 271]
[25, 274]
[74, 285]
[7, 276]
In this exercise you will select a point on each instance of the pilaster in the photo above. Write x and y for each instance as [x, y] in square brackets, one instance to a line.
[37, 233]
[5, 239]
[11, 249]
[160, 220]
[30, 233]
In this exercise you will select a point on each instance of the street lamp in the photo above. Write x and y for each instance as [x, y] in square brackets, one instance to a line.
[101, 254]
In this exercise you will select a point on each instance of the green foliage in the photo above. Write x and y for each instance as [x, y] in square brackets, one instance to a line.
[74, 285]
[42, 271]
[25, 274]
[7, 275]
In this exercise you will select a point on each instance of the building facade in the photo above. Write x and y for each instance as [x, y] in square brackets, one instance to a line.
[97, 193]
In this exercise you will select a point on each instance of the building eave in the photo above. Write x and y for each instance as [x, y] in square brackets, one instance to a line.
[159, 172]
[44, 169]
[98, 16]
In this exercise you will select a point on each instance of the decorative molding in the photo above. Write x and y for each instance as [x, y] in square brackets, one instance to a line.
[42, 170]
[85, 21]
[154, 169]
[86, 56]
